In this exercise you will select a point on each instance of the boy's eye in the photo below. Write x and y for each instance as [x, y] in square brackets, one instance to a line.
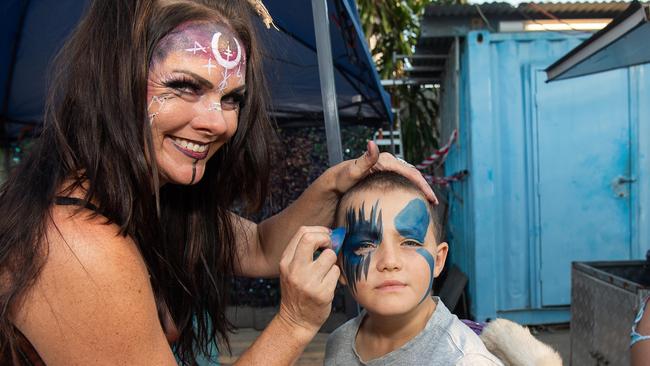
[412, 243]
[364, 248]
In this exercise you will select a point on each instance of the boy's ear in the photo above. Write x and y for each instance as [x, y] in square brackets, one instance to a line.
[441, 256]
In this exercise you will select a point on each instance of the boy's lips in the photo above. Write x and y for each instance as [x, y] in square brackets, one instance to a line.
[391, 285]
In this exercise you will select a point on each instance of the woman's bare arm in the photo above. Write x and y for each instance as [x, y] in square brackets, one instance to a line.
[92, 303]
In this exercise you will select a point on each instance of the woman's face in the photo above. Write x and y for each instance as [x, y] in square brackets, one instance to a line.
[195, 85]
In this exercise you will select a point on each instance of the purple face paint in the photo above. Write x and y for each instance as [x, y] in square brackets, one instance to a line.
[361, 233]
[412, 223]
[215, 42]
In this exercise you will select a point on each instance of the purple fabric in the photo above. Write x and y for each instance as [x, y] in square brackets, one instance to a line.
[476, 327]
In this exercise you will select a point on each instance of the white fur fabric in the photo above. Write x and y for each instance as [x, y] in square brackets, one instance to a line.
[515, 346]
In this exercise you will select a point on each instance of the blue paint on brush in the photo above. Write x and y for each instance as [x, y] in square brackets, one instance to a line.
[336, 237]
[413, 223]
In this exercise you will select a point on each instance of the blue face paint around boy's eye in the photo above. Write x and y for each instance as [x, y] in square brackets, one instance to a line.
[360, 231]
[412, 223]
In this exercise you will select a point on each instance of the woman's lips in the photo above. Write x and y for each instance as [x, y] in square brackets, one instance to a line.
[189, 148]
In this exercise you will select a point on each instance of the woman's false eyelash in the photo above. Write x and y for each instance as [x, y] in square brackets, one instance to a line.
[184, 84]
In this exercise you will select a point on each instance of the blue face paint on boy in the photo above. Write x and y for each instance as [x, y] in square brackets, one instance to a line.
[361, 234]
[413, 223]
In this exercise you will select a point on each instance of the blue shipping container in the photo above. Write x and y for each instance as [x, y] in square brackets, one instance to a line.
[559, 172]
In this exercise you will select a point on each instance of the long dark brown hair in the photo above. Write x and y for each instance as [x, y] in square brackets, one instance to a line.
[95, 132]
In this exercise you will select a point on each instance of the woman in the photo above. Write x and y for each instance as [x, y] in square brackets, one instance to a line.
[117, 238]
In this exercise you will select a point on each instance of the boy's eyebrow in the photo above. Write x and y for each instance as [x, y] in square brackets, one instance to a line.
[411, 233]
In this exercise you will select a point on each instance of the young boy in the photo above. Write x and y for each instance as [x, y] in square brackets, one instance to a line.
[389, 259]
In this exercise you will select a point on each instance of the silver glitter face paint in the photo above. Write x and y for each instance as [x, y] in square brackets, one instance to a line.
[214, 106]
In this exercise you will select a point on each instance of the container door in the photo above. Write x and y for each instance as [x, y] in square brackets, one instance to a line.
[582, 130]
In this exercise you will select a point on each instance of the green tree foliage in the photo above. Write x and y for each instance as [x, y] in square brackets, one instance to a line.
[392, 27]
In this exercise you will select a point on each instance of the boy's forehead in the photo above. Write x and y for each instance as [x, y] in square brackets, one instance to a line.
[390, 201]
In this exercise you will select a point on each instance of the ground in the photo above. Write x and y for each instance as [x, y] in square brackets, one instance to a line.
[556, 336]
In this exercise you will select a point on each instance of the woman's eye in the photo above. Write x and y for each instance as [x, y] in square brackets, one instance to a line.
[231, 102]
[412, 243]
[184, 87]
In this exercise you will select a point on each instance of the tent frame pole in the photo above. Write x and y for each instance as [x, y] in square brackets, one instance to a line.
[328, 86]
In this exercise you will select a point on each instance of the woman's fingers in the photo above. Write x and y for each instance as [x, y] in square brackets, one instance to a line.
[290, 250]
[324, 264]
[372, 161]
[308, 285]
[364, 163]
[388, 162]
[309, 243]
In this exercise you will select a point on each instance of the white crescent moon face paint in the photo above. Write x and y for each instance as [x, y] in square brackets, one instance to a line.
[231, 57]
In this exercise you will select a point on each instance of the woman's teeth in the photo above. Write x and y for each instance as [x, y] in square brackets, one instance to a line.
[190, 145]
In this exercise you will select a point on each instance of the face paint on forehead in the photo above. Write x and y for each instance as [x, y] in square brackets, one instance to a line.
[214, 41]
[412, 222]
[360, 231]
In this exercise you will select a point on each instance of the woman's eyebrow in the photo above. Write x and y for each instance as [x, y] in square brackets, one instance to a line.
[201, 80]
[238, 90]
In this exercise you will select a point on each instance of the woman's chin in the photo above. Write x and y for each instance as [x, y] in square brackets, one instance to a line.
[190, 176]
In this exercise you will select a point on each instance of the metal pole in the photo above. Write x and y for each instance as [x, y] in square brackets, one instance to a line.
[326, 74]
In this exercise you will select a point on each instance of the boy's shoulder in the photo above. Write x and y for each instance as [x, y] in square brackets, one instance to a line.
[339, 349]
[459, 341]
[346, 333]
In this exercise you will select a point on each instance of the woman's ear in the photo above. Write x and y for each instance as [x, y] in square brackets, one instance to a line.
[441, 257]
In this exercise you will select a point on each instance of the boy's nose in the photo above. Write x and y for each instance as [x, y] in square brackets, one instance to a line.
[388, 259]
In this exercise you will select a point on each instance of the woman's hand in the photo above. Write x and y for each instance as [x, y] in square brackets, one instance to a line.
[308, 285]
[348, 173]
[307, 292]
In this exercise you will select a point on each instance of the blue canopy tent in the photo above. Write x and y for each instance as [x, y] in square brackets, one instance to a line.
[32, 31]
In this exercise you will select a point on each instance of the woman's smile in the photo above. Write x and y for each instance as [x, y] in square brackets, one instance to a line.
[192, 149]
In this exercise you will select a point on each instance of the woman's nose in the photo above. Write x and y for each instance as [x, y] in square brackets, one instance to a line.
[388, 258]
[210, 119]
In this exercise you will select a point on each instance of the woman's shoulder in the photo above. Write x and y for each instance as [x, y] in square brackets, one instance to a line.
[93, 297]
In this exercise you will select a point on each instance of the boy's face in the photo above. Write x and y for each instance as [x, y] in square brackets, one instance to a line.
[389, 257]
